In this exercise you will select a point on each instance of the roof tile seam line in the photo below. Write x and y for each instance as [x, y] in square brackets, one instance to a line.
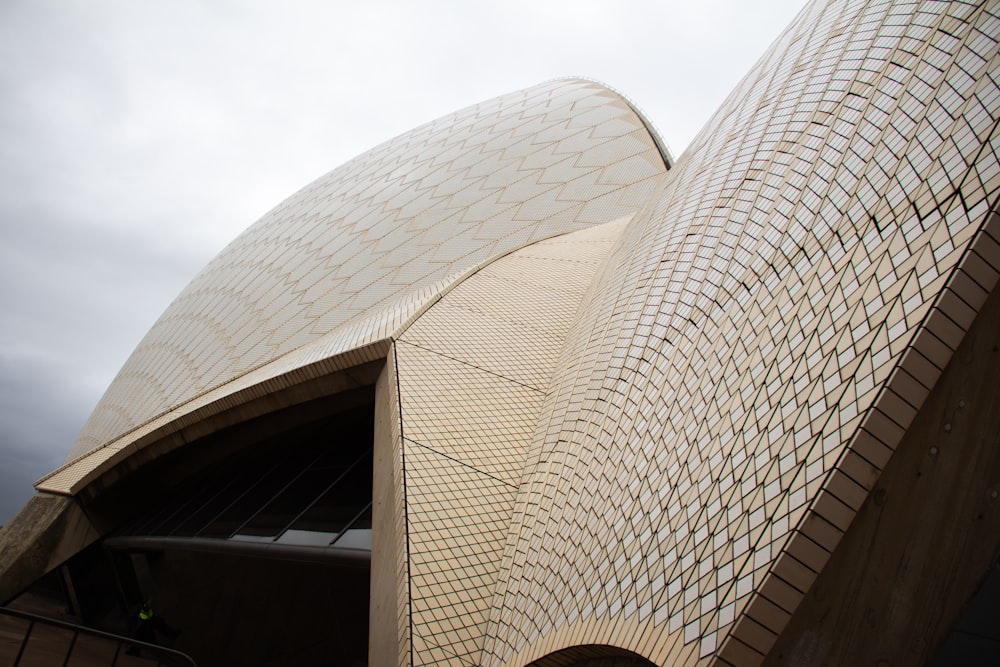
[461, 277]
[661, 144]
[705, 241]
[536, 446]
[564, 260]
[460, 462]
[473, 270]
[527, 324]
[569, 158]
[306, 372]
[606, 325]
[611, 262]
[406, 518]
[465, 663]
[757, 492]
[632, 259]
[566, 291]
[876, 411]
[470, 365]
[957, 188]
[747, 609]
[779, 93]
[877, 408]
[970, 173]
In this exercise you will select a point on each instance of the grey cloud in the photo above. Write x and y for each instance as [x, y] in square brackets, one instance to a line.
[40, 414]
[136, 139]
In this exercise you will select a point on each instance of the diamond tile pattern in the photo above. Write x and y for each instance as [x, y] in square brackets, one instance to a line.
[760, 341]
[472, 374]
[390, 586]
[350, 258]
[628, 407]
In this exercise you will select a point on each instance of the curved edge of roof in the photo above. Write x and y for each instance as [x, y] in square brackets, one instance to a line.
[661, 144]
[375, 326]
[881, 428]
[75, 475]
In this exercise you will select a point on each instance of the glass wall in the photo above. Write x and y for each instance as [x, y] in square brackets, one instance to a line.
[311, 485]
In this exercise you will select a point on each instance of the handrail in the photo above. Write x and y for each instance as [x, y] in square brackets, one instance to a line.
[334, 555]
[162, 654]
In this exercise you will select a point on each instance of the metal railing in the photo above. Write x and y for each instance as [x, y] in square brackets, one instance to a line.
[37, 640]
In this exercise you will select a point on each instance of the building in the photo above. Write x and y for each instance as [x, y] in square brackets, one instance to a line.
[738, 409]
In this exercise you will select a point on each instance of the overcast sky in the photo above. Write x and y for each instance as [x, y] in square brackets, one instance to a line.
[137, 138]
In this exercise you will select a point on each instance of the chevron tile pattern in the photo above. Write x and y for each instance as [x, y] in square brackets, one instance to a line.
[743, 350]
[621, 406]
[473, 371]
[350, 257]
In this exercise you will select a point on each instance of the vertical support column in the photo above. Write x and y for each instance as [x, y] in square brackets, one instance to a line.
[389, 615]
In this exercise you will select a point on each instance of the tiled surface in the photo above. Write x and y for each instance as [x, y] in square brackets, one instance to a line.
[389, 606]
[347, 260]
[472, 375]
[734, 386]
[335, 372]
[659, 449]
